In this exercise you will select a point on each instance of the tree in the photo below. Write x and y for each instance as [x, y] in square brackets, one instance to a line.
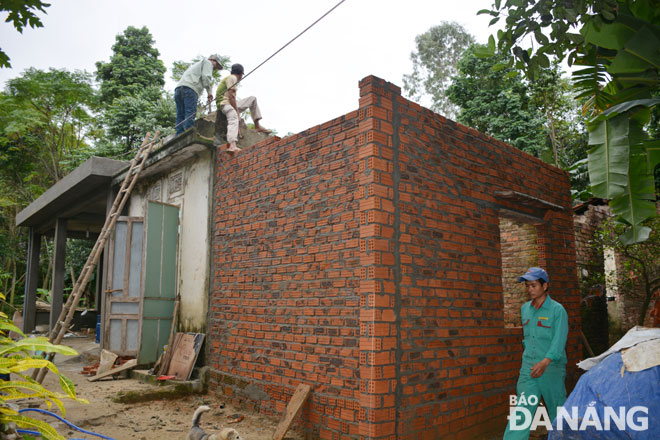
[565, 128]
[617, 44]
[500, 107]
[129, 118]
[44, 118]
[21, 14]
[435, 62]
[132, 93]
[641, 277]
[133, 67]
[566, 142]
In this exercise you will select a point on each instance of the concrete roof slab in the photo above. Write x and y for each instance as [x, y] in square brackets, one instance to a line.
[77, 187]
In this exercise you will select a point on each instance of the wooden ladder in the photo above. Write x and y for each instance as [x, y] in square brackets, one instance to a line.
[68, 310]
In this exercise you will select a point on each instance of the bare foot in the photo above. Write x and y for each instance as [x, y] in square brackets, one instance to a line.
[261, 129]
[232, 148]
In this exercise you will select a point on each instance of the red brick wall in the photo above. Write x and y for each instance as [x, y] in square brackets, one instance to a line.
[363, 257]
[284, 307]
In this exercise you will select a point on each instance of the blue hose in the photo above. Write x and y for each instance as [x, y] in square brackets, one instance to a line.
[43, 411]
[37, 433]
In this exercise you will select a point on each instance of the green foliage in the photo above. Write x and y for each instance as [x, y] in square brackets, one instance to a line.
[497, 103]
[641, 260]
[566, 133]
[129, 118]
[15, 358]
[133, 67]
[435, 62]
[43, 120]
[21, 14]
[617, 43]
[132, 96]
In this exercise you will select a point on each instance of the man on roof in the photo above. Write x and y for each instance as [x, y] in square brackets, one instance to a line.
[543, 370]
[196, 78]
[232, 107]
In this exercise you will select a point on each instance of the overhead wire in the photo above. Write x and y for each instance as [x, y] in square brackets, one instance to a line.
[208, 105]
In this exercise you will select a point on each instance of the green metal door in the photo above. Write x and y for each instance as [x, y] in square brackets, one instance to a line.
[162, 233]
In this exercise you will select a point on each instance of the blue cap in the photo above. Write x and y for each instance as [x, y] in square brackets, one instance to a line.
[533, 274]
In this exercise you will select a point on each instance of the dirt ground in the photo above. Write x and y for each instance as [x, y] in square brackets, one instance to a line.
[153, 420]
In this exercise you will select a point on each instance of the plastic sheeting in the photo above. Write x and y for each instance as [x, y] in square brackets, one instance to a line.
[609, 389]
[633, 337]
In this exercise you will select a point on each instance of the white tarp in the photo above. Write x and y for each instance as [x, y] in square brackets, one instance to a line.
[635, 336]
[642, 356]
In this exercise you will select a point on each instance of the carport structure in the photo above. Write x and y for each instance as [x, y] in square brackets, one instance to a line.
[75, 207]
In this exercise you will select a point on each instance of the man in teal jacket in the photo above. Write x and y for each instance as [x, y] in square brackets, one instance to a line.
[543, 371]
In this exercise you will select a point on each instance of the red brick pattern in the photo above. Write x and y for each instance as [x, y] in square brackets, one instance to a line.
[284, 307]
[363, 257]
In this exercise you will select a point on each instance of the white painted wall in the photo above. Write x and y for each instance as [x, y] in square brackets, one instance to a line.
[193, 200]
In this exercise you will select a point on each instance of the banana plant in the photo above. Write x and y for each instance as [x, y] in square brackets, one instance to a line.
[616, 44]
[16, 357]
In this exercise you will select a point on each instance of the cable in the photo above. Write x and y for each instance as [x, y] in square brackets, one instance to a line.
[208, 105]
[269, 58]
[292, 40]
[71, 425]
[38, 434]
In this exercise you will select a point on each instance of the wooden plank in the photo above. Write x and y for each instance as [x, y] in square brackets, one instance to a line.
[184, 355]
[292, 410]
[165, 364]
[127, 366]
[175, 317]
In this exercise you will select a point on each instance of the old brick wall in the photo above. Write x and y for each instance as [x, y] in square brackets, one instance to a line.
[587, 220]
[586, 223]
[519, 251]
[363, 257]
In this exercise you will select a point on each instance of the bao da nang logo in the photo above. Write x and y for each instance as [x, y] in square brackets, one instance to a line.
[590, 418]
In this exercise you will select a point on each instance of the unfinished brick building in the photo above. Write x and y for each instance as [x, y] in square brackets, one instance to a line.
[363, 257]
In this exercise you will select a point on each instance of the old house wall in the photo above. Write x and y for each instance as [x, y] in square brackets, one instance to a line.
[519, 251]
[595, 265]
[186, 185]
[363, 257]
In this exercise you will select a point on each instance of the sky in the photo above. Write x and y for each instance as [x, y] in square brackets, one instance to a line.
[313, 80]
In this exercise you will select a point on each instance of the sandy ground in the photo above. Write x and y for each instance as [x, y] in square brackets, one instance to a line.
[160, 419]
